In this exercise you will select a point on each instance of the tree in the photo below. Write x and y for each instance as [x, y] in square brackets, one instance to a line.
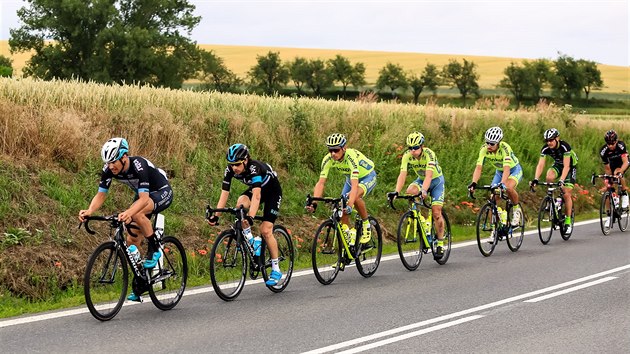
[540, 75]
[592, 76]
[518, 80]
[462, 76]
[269, 74]
[417, 85]
[6, 66]
[569, 79]
[299, 71]
[392, 76]
[109, 40]
[215, 75]
[430, 78]
[345, 73]
[320, 77]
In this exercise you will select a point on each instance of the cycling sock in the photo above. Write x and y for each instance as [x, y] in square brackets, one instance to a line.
[366, 223]
[274, 264]
[440, 243]
[152, 244]
[567, 221]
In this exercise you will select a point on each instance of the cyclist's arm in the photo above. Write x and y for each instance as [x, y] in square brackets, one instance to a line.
[318, 191]
[477, 173]
[95, 204]
[624, 163]
[354, 192]
[607, 169]
[400, 182]
[539, 167]
[427, 180]
[222, 201]
[566, 162]
[506, 174]
[255, 203]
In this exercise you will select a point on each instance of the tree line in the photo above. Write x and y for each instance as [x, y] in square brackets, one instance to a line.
[147, 42]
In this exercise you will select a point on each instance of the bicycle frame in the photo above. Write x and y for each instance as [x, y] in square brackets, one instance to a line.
[337, 207]
[419, 219]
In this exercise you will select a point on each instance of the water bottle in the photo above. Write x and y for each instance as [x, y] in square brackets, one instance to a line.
[616, 200]
[248, 234]
[134, 253]
[558, 203]
[624, 201]
[502, 215]
[256, 245]
[159, 226]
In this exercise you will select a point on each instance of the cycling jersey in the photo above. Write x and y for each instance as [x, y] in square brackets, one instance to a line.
[427, 161]
[504, 156]
[563, 149]
[141, 176]
[613, 157]
[354, 164]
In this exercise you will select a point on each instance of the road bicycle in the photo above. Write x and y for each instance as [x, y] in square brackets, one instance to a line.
[107, 274]
[610, 201]
[416, 235]
[331, 251]
[493, 226]
[232, 258]
[551, 213]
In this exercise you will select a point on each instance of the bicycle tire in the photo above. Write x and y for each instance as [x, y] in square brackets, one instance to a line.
[487, 223]
[409, 243]
[228, 266]
[286, 257]
[516, 234]
[624, 217]
[99, 295]
[326, 252]
[369, 259]
[606, 213]
[546, 220]
[173, 268]
[566, 236]
[447, 240]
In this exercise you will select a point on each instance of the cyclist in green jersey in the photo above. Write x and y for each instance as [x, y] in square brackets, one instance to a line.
[564, 166]
[424, 163]
[360, 180]
[508, 169]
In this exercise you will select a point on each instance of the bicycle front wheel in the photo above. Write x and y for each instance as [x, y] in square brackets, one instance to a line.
[105, 281]
[286, 256]
[546, 220]
[516, 233]
[227, 266]
[409, 240]
[487, 226]
[624, 218]
[447, 241]
[369, 256]
[170, 275]
[326, 252]
[606, 220]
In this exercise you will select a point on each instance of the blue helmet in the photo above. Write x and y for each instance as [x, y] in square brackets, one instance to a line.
[237, 153]
[114, 149]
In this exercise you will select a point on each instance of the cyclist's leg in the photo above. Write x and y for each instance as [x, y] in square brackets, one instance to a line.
[552, 174]
[568, 194]
[516, 175]
[160, 200]
[436, 190]
[623, 180]
[366, 184]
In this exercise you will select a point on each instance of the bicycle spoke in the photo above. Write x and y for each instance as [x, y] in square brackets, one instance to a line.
[105, 282]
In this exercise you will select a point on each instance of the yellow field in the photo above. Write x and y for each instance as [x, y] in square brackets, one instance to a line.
[241, 58]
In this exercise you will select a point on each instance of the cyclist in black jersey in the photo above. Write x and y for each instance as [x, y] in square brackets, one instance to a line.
[153, 194]
[264, 188]
[564, 167]
[614, 155]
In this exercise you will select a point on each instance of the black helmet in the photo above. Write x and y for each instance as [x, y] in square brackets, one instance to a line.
[237, 153]
[611, 136]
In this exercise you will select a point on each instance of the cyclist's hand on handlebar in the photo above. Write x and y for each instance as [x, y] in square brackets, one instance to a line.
[311, 207]
[424, 193]
[83, 214]
[561, 183]
[213, 220]
[533, 183]
[348, 210]
[471, 186]
[124, 217]
[392, 195]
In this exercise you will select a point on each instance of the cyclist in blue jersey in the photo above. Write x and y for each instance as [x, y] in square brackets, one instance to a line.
[153, 194]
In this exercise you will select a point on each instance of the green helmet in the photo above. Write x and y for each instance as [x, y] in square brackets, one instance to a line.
[336, 140]
[415, 139]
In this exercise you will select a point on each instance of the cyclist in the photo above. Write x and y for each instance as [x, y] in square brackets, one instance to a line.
[360, 180]
[564, 167]
[424, 163]
[614, 154]
[508, 169]
[264, 188]
[153, 195]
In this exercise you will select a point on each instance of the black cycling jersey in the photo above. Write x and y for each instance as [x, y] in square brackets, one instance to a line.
[141, 176]
[559, 153]
[256, 174]
[613, 157]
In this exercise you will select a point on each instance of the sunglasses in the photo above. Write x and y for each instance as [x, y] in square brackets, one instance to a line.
[610, 143]
[490, 144]
[414, 147]
[236, 163]
[334, 150]
[550, 140]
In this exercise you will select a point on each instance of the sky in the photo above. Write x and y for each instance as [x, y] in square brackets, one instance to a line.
[595, 30]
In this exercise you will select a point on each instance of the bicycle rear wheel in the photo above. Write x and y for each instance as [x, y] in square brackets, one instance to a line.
[326, 252]
[487, 226]
[515, 233]
[546, 220]
[409, 241]
[105, 281]
[286, 257]
[447, 240]
[170, 275]
[624, 217]
[606, 214]
[370, 254]
[227, 266]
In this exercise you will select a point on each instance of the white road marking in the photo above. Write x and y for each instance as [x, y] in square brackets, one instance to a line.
[565, 291]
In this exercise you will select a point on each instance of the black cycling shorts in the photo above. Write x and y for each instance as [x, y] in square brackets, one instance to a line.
[271, 198]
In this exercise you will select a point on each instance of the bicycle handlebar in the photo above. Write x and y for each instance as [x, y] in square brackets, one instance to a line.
[239, 212]
[391, 196]
[328, 200]
[491, 188]
[615, 179]
[548, 184]
[113, 219]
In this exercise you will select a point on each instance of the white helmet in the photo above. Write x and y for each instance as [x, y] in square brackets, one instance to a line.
[494, 135]
[114, 149]
[551, 134]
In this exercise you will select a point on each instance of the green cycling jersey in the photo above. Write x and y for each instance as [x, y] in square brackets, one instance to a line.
[504, 156]
[354, 164]
[426, 162]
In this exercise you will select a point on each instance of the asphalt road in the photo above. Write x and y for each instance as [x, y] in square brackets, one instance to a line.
[568, 296]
